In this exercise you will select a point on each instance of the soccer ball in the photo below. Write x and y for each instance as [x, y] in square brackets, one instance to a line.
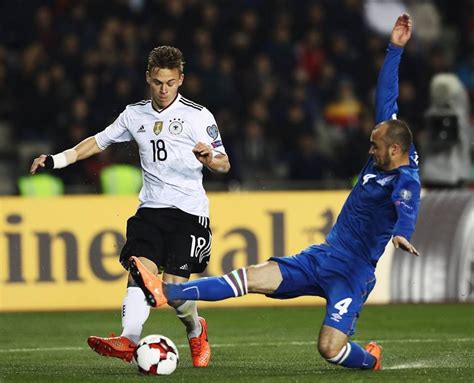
[156, 355]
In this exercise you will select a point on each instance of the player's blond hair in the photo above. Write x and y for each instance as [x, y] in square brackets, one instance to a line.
[165, 57]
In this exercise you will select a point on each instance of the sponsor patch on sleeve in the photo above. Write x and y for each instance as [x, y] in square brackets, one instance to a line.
[402, 203]
[216, 144]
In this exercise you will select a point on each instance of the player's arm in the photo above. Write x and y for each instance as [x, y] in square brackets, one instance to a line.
[406, 199]
[218, 163]
[115, 132]
[386, 94]
[209, 148]
[85, 149]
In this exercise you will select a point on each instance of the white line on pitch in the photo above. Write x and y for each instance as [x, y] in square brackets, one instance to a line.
[305, 343]
[408, 365]
[42, 349]
[418, 365]
[251, 344]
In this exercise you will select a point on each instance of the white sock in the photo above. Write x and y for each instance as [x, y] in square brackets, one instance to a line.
[135, 312]
[188, 314]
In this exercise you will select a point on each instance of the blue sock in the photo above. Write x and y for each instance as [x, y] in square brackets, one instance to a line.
[353, 355]
[230, 285]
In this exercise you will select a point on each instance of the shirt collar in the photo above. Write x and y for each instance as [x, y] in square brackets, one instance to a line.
[176, 99]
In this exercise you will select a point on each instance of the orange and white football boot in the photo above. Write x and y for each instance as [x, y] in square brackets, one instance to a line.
[151, 285]
[114, 346]
[200, 348]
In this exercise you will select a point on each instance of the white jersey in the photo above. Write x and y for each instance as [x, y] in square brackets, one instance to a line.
[172, 176]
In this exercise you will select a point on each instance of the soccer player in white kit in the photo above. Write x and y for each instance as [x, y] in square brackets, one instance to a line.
[170, 230]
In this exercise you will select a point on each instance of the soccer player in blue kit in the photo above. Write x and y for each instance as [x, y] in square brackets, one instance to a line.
[383, 205]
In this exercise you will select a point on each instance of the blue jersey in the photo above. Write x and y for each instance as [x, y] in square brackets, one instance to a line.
[383, 203]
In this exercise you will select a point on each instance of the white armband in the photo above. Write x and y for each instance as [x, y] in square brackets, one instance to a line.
[63, 159]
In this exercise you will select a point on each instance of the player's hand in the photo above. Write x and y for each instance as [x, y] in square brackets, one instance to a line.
[401, 31]
[203, 153]
[38, 162]
[401, 243]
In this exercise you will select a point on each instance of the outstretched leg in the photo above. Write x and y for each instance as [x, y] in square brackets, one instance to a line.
[261, 279]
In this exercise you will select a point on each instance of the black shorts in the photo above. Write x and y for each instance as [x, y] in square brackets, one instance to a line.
[178, 242]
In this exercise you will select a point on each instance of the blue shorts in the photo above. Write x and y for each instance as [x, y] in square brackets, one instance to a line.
[345, 283]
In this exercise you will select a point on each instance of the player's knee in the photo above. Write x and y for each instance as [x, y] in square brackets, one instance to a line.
[263, 278]
[329, 349]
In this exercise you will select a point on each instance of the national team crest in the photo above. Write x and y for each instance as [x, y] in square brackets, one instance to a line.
[176, 126]
[405, 194]
[158, 127]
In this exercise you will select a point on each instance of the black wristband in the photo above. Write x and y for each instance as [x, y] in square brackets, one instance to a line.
[49, 162]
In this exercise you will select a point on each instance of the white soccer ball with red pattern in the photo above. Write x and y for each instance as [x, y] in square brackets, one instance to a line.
[156, 355]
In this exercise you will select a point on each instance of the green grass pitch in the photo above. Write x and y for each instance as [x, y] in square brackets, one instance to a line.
[422, 343]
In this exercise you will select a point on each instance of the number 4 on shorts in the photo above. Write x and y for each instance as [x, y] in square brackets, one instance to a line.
[342, 305]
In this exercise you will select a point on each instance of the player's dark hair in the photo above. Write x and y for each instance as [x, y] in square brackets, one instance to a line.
[399, 133]
[165, 57]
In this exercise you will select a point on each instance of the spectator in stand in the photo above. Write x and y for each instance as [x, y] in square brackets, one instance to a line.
[256, 154]
[345, 110]
[265, 57]
[306, 163]
[310, 55]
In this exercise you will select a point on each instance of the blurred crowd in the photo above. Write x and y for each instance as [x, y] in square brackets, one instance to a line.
[291, 83]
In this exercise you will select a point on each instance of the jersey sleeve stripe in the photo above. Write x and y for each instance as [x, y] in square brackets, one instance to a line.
[140, 103]
[190, 104]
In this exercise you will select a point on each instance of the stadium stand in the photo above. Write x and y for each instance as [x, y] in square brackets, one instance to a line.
[293, 73]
